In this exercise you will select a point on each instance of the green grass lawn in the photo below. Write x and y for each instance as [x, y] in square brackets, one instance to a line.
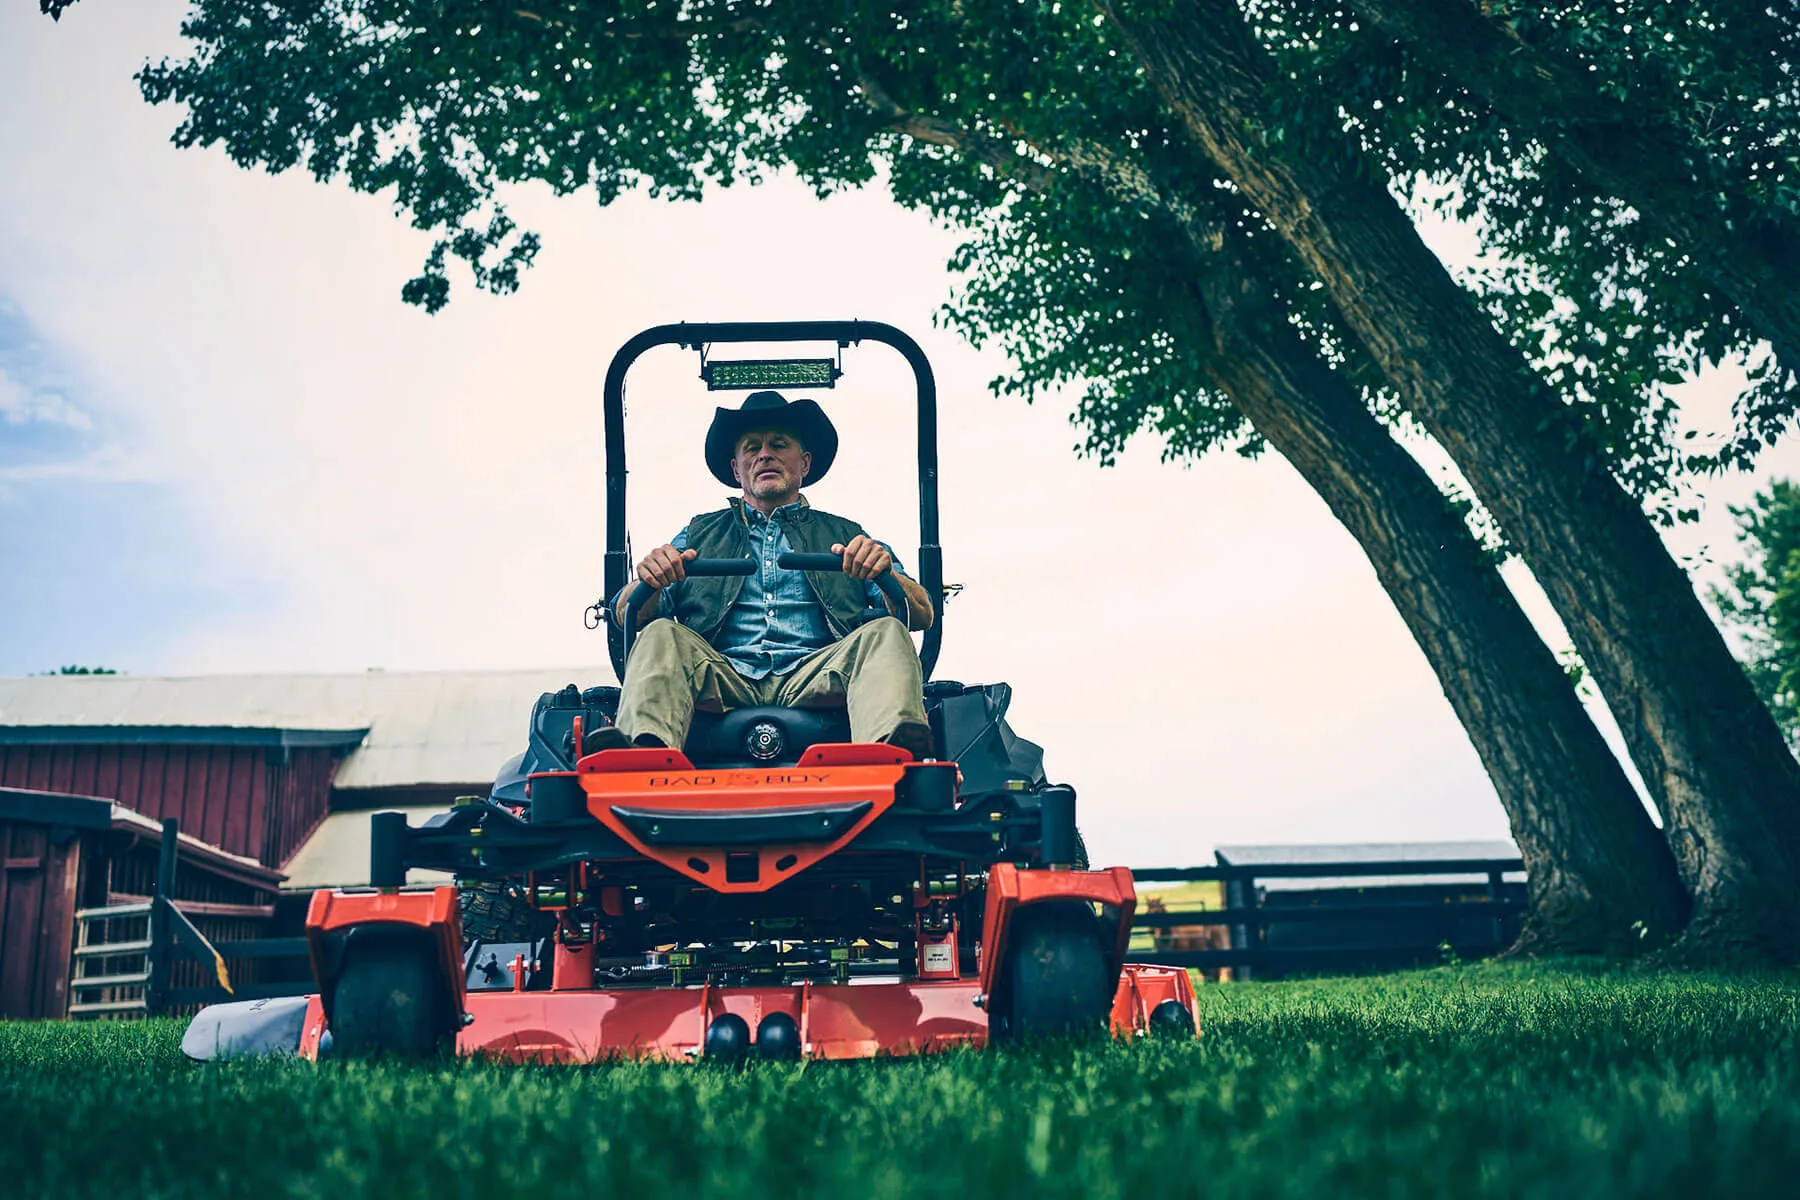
[1489, 1079]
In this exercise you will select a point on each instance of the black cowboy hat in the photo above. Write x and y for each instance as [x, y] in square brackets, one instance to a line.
[768, 410]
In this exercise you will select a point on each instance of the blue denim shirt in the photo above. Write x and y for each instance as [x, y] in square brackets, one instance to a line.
[776, 620]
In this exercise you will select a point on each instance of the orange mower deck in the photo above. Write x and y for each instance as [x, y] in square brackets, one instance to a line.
[570, 1023]
[835, 1021]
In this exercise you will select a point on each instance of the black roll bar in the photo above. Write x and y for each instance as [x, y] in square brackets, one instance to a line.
[844, 333]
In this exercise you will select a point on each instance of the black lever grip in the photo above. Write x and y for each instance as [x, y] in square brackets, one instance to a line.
[794, 560]
[890, 587]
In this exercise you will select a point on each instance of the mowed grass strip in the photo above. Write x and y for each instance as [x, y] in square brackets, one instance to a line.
[1478, 1080]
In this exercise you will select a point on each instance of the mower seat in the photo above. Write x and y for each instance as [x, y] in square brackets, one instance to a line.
[762, 735]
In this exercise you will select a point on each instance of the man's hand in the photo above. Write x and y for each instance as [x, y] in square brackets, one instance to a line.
[867, 559]
[661, 567]
[864, 558]
[665, 565]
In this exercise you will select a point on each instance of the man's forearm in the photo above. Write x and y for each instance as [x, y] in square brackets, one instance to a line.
[921, 612]
[646, 614]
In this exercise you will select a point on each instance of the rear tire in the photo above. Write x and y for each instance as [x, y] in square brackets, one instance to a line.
[388, 999]
[1057, 973]
[490, 913]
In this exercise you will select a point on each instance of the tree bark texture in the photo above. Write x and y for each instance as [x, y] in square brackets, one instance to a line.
[1750, 257]
[1601, 878]
[1728, 788]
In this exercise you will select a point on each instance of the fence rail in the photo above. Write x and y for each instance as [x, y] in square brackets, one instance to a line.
[1311, 958]
[1286, 915]
[1224, 872]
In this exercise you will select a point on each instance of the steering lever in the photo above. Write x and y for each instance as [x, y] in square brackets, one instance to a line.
[890, 587]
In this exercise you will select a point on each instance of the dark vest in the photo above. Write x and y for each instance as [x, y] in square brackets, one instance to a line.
[725, 534]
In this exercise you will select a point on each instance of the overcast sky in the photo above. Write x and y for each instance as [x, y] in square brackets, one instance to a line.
[227, 446]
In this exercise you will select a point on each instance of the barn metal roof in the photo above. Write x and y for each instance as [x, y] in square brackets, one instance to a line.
[409, 728]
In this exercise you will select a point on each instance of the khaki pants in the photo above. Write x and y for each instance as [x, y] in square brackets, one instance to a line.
[874, 672]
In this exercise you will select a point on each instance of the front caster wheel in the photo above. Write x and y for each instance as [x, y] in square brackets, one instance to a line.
[1057, 973]
[1171, 1019]
[388, 999]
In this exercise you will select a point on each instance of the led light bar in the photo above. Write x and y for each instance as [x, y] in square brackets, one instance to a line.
[746, 373]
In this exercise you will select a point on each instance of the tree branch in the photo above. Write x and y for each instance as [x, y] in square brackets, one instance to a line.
[1752, 255]
[983, 148]
[671, 31]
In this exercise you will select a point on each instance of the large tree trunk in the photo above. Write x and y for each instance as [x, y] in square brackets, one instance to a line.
[1750, 254]
[1601, 878]
[1728, 788]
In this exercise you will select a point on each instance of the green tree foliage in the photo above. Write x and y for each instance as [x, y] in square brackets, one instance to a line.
[1632, 167]
[442, 106]
[1762, 599]
[964, 105]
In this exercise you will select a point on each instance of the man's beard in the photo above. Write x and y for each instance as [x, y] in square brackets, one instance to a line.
[768, 489]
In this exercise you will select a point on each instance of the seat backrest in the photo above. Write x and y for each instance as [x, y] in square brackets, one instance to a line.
[762, 736]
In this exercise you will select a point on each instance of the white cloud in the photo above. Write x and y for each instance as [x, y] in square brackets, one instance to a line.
[24, 405]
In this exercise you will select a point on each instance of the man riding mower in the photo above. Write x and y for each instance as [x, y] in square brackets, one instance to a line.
[777, 636]
[778, 838]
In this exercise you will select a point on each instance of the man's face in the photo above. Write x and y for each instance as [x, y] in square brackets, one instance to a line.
[770, 463]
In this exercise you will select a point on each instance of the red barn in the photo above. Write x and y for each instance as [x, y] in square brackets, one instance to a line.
[272, 778]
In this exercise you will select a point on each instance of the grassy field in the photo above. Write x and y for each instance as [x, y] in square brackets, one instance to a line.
[1475, 1080]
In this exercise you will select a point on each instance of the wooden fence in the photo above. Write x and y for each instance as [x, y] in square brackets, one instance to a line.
[1352, 928]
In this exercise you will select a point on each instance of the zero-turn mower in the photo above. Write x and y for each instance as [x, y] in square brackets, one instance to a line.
[770, 889]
